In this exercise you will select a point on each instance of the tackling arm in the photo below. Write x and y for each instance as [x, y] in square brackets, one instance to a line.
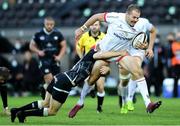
[109, 54]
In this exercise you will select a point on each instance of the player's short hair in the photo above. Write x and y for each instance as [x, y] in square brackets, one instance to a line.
[49, 18]
[132, 7]
[5, 73]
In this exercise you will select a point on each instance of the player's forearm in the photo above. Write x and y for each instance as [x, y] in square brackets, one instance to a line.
[63, 50]
[152, 38]
[107, 55]
[93, 19]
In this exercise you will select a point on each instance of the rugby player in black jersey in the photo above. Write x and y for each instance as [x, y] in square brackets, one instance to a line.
[50, 46]
[61, 86]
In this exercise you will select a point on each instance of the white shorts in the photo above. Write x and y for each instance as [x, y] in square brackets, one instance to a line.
[137, 52]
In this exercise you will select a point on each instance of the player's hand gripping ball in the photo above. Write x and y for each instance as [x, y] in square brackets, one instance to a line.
[140, 41]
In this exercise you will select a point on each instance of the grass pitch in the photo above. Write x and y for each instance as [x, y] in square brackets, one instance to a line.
[167, 114]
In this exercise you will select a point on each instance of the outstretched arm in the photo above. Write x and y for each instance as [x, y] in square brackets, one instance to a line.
[89, 22]
[109, 54]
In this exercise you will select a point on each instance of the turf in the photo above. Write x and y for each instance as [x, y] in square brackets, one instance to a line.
[167, 114]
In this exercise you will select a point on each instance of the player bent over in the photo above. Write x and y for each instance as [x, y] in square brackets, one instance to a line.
[61, 86]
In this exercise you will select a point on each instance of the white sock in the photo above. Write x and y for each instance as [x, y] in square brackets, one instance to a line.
[45, 112]
[40, 104]
[123, 93]
[86, 89]
[142, 85]
[131, 89]
[101, 94]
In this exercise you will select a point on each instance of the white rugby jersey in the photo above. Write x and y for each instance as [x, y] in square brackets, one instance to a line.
[120, 33]
[142, 25]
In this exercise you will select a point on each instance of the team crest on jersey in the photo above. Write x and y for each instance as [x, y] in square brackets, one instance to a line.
[42, 38]
[46, 70]
[55, 38]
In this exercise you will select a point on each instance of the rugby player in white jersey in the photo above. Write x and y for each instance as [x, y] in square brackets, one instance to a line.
[119, 35]
[127, 92]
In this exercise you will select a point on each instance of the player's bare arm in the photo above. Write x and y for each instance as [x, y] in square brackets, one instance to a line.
[33, 47]
[109, 54]
[149, 50]
[62, 51]
[89, 22]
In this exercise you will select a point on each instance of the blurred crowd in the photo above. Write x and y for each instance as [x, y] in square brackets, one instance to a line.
[25, 75]
[24, 65]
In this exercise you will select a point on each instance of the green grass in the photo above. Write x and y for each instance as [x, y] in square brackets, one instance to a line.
[167, 114]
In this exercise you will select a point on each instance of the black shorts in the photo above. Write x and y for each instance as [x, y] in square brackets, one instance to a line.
[50, 87]
[49, 66]
[61, 88]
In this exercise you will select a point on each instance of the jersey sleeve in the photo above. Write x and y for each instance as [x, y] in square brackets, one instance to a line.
[110, 17]
[35, 38]
[60, 36]
[148, 25]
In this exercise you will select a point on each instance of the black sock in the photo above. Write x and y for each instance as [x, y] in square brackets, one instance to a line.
[33, 105]
[43, 93]
[100, 101]
[35, 112]
[3, 90]
[120, 101]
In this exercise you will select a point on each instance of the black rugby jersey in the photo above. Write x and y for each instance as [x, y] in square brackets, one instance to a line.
[49, 42]
[82, 69]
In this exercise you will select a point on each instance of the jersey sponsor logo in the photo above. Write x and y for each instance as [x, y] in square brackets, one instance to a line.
[121, 37]
[42, 38]
[55, 37]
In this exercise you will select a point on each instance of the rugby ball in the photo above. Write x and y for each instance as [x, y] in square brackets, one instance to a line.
[139, 38]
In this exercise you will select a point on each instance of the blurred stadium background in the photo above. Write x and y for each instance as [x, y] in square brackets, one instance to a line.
[20, 19]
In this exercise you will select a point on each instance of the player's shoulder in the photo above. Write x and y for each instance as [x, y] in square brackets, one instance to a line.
[56, 31]
[143, 20]
[115, 14]
[39, 32]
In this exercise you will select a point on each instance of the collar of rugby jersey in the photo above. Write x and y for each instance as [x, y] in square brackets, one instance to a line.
[48, 33]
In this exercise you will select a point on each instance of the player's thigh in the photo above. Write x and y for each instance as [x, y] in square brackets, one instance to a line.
[130, 63]
[55, 68]
[47, 99]
[100, 84]
[54, 106]
[95, 73]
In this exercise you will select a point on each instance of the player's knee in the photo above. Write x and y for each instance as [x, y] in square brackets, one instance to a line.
[124, 82]
[91, 81]
[52, 112]
[124, 79]
[45, 103]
